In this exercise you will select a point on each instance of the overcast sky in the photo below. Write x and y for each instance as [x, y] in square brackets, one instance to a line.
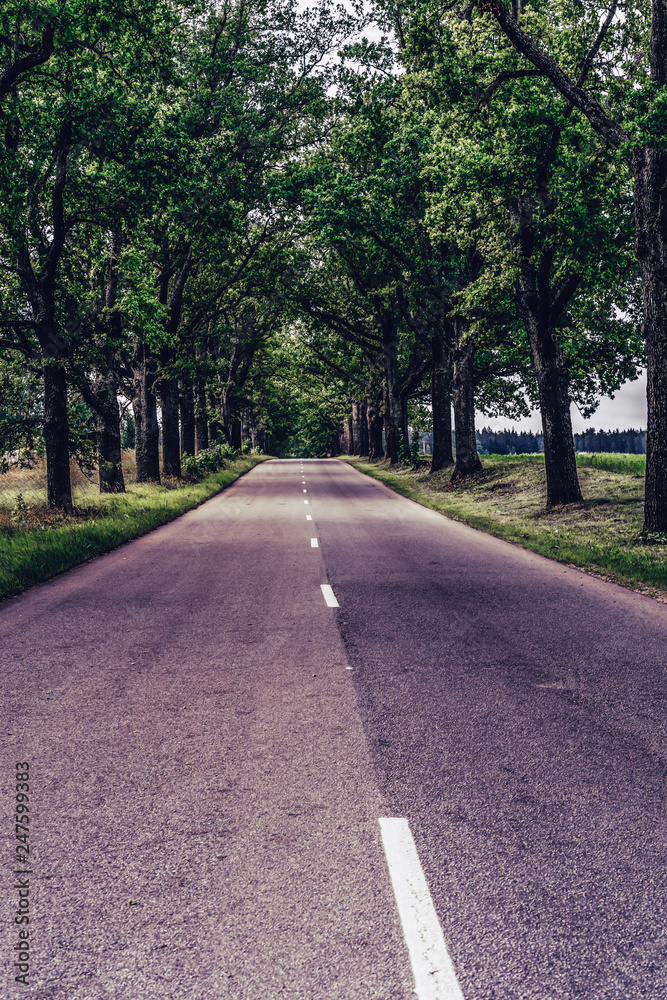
[627, 409]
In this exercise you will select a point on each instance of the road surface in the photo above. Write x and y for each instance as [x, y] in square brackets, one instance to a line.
[213, 743]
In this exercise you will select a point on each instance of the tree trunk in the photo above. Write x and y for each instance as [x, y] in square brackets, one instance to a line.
[147, 431]
[467, 459]
[56, 438]
[171, 442]
[349, 436]
[215, 422]
[235, 434]
[374, 421]
[245, 427]
[226, 414]
[392, 414]
[552, 383]
[187, 405]
[356, 427]
[201, 422]
[363, 428]
[109, 458]
[650, 173]
[441, 402]
[392, 429]
[258, 435]
[405, 428]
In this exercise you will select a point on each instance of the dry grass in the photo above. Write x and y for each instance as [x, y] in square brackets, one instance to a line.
[31, 483]
[37, 543]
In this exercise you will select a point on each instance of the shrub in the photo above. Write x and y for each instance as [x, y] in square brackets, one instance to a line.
[408, 451]
[213, 459]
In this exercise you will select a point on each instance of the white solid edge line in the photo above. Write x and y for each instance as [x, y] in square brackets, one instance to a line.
[329, 596]
[435, 978]
[308, 517]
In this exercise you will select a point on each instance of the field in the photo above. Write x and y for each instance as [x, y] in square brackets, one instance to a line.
[36, 543]
[28, 486]
[507, 498]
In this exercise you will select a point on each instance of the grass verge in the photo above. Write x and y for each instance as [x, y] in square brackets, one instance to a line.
[34, 549]
[507, 499]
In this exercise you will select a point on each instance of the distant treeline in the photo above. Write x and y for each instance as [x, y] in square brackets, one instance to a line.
[508, 442]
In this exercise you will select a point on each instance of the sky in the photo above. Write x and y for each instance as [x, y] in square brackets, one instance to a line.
[627, 409]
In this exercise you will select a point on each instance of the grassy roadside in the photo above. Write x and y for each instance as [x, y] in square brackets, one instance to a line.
[507, 499]
[34, 548]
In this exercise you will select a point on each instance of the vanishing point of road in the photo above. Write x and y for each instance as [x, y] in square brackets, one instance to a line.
[312, 740]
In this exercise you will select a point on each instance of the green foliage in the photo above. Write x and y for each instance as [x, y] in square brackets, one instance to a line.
[82, 436]
[414, 449]
[614, 462]
[223, 203]
[127, 431]
[196, 467]
[408, 452]
[609, 461]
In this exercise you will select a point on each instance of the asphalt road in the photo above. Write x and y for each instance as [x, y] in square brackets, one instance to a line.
[207, 772]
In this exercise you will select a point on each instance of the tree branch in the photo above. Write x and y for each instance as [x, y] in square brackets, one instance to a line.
[11, 73]
[523, 43]
[507, 74]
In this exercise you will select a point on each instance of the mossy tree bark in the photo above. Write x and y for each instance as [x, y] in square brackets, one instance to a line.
[441, 402]
[374, 421]
[467, 458]
[56, 437]
[187, 406]
[109, 453]
[144, 405]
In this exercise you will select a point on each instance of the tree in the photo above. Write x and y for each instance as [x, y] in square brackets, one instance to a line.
[50, 121]
[625, 68]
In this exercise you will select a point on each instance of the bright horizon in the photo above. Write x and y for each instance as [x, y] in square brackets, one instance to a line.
[627, 409]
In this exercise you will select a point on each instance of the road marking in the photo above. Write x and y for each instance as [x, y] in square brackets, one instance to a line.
[308, 517]
[435, 978]
[329, 596]
[305, 501]
[305, 491]
[313, 543]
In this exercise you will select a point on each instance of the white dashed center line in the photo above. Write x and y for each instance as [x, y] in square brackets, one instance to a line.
[435, 978]
[313, 543]
[305, 491]
[329, 596]
[305, 501]
[308, 517]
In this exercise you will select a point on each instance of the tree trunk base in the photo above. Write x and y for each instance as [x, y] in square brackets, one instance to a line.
[438, 464]
[462, 472]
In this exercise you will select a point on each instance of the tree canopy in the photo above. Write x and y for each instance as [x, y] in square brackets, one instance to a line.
[307, 229]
